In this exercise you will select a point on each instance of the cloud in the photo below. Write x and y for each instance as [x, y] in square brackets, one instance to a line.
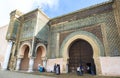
[23, 5]
[28, 5]
[6, 6]
[46, 4]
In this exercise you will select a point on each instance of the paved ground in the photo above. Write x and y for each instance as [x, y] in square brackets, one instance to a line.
[72, 75]
[8, 74]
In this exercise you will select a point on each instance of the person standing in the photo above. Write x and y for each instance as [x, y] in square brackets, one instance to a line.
[55, 68]
[80, 70]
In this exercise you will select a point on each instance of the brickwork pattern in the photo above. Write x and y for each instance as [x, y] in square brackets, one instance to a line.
[82, 14]
[96, 30]
[27, 30]
[90, 24]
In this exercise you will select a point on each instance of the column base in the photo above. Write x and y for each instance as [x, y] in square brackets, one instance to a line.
[16, 69]
[30, 71]
[31, 63]
[3, 69]
[18, 64]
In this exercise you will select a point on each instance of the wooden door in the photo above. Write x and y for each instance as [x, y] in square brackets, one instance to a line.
[80, 52]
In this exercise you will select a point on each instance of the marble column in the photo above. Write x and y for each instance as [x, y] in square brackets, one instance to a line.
[44, 60]
[18, 64]
[7, 55]
[44, 64]
[66, 68]
[31, 63]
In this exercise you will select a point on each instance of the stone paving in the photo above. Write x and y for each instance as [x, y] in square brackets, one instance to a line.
[72, 75]
[8, 74]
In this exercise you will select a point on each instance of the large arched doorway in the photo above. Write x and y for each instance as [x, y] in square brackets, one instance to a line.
[97, 46]
[80, 52]
[25, 60]
[38, 59]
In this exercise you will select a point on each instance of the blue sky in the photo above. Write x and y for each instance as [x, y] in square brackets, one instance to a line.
[52, 8]
[67, 6]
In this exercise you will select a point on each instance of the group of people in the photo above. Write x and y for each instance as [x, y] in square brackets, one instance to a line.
[81, 69]
[87, 68]
[57, 69]
[41, 68]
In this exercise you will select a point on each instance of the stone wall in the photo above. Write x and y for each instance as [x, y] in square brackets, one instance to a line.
[99, 21]
[3, 44]
[116, 7]
[13, 25]
[52, 62]
[28, 29]
[110, 66]
[28, 26]
[42, 29]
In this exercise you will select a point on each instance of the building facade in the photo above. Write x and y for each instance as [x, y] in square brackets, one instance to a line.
[4, 55]
[87, 36]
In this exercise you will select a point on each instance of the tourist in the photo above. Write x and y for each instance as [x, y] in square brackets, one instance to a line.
[88, 66]
[80, 70]
[40, 68]
[55, 68]
[92, 70]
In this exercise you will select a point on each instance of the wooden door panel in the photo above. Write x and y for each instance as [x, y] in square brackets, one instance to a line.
[80, 51]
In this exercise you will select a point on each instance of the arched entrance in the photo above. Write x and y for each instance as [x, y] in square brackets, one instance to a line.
[24, 60]
[38, 59]
[40, 55]
[97, 46]
[80, 53]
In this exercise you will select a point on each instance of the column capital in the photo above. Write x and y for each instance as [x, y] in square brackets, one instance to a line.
[32, 57]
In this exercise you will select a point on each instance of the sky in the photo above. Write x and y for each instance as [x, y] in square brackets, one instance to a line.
[52, 8]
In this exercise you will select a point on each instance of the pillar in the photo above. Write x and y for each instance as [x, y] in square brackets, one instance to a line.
[31, 63]
[57, 45]
[18, 64]
[44, 60]
[66, 68]
[65, 62]
[7, 55]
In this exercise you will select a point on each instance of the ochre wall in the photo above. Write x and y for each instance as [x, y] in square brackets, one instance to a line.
[3, 43]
